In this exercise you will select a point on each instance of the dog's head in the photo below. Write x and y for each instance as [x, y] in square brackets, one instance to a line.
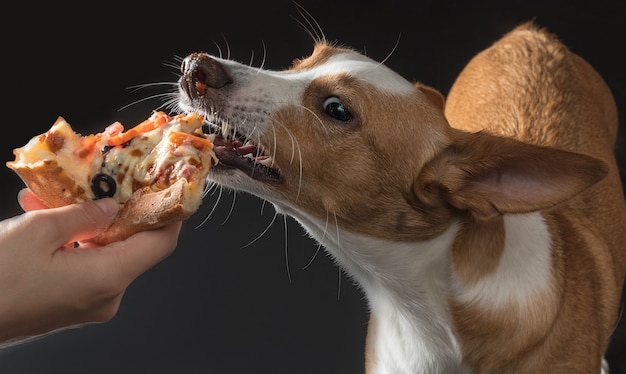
[339, 138]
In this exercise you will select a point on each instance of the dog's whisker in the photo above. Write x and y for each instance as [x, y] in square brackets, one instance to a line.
[173, 64]
[275, 142]
[228, 51]
[219, 49]
[141, 86]
[210, 189]
[299, 173]
[338, 230]
[263, 232]
[392, 49]
[263, 60]
[275, 139]
[295, 147]
[232, 207]
[263, 206]
[306, 30]
[325, 231]
[151, 97]
[178, 60]
[317, 250]
[319, 120]
[220, 189]
[220, 53]
[286, 250]
[314, 29]
[339, 276]
[382, 62]
[323, 126]
[320, 245]
[340, 247]
[251, 63]
[171, 105]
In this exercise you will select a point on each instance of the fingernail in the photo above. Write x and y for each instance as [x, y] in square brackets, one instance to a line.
[21, 193]
[109, 206]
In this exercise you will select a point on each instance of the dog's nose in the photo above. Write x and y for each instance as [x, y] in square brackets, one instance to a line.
[200, 73]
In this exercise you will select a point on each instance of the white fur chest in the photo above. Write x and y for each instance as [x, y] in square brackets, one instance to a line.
[406, 286]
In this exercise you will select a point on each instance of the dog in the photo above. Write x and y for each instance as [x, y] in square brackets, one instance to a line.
[486, 229]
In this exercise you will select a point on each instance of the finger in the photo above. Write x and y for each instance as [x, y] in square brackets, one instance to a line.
[78, 222]
[112, 268]
[143, 250]
[29, 201]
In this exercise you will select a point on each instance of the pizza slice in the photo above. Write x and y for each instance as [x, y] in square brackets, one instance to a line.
[156, 170]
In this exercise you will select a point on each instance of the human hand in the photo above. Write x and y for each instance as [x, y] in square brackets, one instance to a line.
[46, 285]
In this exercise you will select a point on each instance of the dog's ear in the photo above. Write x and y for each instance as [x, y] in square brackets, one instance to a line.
[434, 96]
[489, 176]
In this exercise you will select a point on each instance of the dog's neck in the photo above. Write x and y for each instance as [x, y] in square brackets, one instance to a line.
[407, 286]
[410, 287]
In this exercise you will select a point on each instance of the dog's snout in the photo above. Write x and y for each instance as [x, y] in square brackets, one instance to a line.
[200, 73]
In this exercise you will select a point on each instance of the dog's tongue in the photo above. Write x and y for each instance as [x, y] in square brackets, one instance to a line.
[220, 141]
[228, 155]
[232, 153]
[239, 147]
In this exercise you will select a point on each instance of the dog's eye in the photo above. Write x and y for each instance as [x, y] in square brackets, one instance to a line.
[335, 108]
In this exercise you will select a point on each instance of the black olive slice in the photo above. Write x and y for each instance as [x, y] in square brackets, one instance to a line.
[103, 185]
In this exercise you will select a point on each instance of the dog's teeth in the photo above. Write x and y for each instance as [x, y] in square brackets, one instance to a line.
[225, 128]
[267, 161]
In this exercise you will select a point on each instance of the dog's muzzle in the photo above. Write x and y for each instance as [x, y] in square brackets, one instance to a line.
[200, 73]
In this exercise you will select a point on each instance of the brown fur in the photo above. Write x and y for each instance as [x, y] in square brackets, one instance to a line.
[366, 192]
[530, 87]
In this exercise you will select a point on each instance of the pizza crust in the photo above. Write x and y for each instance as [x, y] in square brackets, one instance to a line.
[48, 180]
[148, 210]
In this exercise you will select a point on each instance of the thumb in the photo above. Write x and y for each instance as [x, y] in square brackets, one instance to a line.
[82, 221]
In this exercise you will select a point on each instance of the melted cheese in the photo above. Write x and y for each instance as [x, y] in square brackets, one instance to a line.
[151, 159]
[62, 144]
[173, 148]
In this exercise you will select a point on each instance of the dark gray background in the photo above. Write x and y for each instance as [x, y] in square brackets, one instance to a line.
[219, 305]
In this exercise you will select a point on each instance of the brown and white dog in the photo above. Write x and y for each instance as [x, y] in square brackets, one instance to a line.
[492, 241]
